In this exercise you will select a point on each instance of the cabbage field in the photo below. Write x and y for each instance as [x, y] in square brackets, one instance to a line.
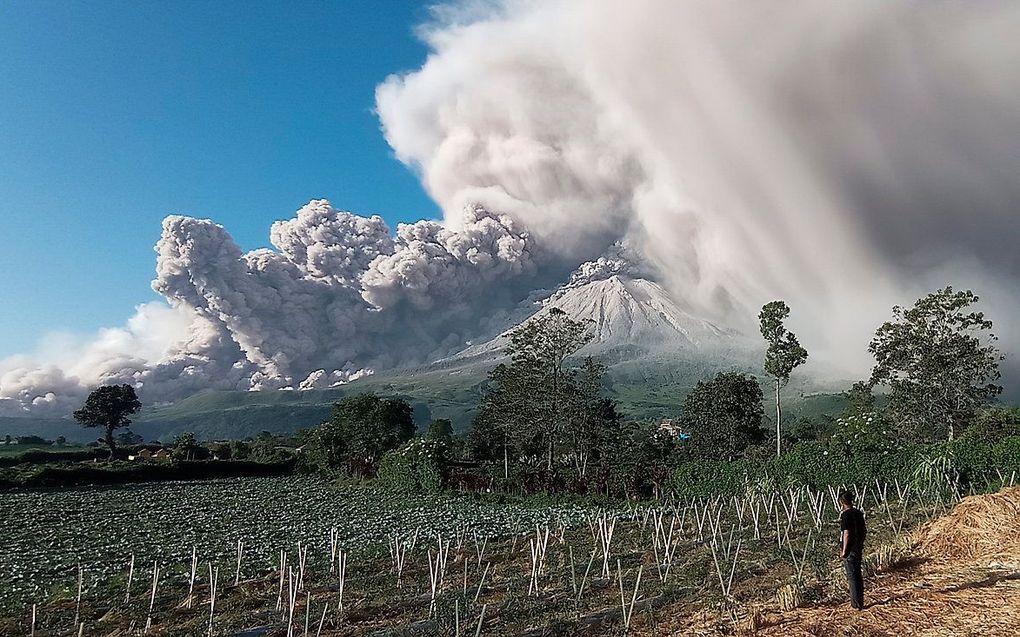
[303, 556]
[46, 535]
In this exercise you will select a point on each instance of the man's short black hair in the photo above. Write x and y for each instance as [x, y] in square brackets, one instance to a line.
[847, 498]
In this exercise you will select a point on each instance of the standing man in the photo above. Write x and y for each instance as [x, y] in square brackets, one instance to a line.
[851, 542]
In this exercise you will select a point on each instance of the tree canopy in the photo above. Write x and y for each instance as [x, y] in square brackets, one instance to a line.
[784, 354]
[360, 430]
[109, 407]
[939, 362]
[724, 416]
[542, 400]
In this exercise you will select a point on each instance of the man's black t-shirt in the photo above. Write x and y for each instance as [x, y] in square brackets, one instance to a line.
[852, 520]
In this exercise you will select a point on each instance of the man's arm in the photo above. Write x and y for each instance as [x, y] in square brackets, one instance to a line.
[844, 543]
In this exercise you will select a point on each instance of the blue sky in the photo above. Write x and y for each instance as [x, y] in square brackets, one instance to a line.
[116, 114]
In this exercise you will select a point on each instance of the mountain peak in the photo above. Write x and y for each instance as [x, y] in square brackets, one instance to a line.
[625, 313]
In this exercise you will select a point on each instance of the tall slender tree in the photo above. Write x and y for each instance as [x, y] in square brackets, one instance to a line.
[784, 354]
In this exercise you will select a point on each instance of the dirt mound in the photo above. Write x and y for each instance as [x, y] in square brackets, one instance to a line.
[980, 527]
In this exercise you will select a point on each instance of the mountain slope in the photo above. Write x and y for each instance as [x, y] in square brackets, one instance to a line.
[627, 314]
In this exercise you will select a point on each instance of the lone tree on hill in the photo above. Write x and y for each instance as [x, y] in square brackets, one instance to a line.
[784, 354]
[939, 362]
[109, 407]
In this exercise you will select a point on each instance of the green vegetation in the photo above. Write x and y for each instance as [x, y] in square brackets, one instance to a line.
[360, 430]
[939, 362]
[784, 354]
[724, 416]
[549, 467]
[108, 407]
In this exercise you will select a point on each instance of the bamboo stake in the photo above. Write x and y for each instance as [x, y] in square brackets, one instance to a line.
[240, 554]
[152, 596]
[77, 600]
[322, 619]
[342, 578]
[131, 573]
[481, 620]
[283, 569]
[194, 570]
[482, 581]
[214, 578]
[308, 610]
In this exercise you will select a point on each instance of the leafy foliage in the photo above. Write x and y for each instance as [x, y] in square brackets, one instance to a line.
[724, 416]
[784, 353]
[538, 401]
[939, 362]
[109, 407]
[360, 430]
[416, 467]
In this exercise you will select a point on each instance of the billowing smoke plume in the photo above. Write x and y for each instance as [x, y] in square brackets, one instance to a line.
[843, 156]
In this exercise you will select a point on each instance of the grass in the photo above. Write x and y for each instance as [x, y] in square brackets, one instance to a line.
[8, 451]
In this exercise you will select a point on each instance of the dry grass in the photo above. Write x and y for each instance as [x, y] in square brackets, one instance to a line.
[961, 581]
[980, 527]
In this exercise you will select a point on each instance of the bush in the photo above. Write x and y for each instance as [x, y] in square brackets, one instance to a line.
[1006, 454]
[416, 467]
[67, 475]
[707, 478]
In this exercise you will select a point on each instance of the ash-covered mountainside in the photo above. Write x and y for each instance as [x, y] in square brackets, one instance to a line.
[629, 315]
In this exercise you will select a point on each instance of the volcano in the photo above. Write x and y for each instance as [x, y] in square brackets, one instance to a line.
[629, 317]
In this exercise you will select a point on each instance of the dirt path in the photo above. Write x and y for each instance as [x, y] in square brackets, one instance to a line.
[924, 600]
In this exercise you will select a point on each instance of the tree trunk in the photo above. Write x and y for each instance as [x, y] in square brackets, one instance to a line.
[779, 422]
[109, 442]
[548, 464]
[506, 462]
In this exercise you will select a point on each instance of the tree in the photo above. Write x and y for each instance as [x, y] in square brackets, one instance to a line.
[724, 416]
[994, 425]
[593, 424]
[529, 403]
[360, 430]
[938, 360]
[128, 437]
[440, 429]
[860, 401]
[538, 352]
[109, 407]
[184, 446]
[784, 354]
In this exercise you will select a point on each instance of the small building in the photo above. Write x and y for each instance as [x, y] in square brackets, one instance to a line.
[670, 427]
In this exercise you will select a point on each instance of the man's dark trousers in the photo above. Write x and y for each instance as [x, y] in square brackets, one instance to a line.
[852, 563]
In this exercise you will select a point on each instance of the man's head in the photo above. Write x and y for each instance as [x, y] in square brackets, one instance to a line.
[846, 499]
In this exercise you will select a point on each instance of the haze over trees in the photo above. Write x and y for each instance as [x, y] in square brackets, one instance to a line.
[939, 361]
[784, 354]
[108, 407]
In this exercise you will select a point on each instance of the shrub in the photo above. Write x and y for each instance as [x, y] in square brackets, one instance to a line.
[417, 467]
[707, 478]
[1006, 454]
